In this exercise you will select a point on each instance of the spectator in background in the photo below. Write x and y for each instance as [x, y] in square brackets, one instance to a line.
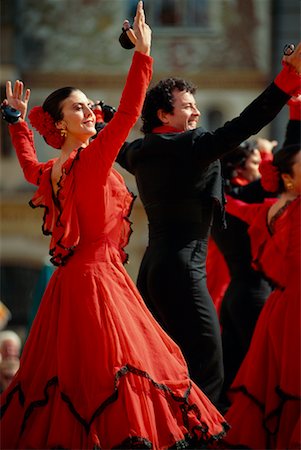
[10, 350]
[10, 344]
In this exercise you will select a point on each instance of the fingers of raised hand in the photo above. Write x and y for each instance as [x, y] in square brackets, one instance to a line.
[9, 92]
[293, 56]
[131, 35]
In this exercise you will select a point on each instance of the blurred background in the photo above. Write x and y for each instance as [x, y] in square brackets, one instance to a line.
[231, 49]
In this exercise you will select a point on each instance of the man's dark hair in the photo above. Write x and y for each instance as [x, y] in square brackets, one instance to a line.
[161, 97]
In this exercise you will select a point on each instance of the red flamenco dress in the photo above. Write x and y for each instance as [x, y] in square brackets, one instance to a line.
[97, 370]
[265, 395]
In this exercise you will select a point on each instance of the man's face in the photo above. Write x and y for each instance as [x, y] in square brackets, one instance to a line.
[185, 115]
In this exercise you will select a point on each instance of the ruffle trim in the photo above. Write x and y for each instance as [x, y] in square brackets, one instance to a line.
[128, 230]
[60, 219]
[59, 211]
[197, 438]
[272, 416]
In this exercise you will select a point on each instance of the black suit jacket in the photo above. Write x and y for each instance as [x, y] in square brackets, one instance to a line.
[178, 175]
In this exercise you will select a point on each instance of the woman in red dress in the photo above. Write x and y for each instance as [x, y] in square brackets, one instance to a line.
[265, 410]
[97, 370]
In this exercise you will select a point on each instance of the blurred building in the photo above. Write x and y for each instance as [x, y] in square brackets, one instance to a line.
[230, 49]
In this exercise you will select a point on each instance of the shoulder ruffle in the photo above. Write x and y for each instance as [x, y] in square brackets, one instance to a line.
[128, 199]
[60, 211]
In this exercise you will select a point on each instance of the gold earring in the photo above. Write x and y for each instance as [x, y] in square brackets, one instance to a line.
[64, 133]
[289, 186]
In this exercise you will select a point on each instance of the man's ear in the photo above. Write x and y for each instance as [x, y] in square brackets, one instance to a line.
[163, 116]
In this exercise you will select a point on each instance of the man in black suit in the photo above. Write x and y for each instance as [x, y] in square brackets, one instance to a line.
[178, 176]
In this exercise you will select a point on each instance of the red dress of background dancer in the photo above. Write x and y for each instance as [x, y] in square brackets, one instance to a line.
[265, 412]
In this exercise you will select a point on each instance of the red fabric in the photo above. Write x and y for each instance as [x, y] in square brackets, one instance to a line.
[265, 412]
[166, 129]
[266, 157]
[270, 176]
[217, 283]
[239, 181]
[97, 370]
[288, 80]
[295, 108]
[99, 115]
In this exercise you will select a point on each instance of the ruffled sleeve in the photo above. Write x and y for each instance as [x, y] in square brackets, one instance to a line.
[60, 217]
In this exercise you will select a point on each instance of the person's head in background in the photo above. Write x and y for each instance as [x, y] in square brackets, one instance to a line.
[283, 174]
[8, 368]
[10, 344]
[265, 146]
[241, 166]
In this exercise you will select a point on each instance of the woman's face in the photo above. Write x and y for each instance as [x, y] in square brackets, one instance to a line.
[78, 117]
[250, 171]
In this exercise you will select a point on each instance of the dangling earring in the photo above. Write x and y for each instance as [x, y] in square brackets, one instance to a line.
[64, 133]
[289, 186]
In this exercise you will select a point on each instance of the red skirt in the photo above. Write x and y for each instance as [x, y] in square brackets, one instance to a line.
[97, 370]
[265, 410]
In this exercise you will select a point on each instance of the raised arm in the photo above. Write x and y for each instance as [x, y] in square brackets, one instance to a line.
[21, 136]
[111, 138]
[293, 134]
[258, 114]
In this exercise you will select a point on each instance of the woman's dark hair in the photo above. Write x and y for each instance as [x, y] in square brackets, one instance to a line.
[161, 97]
[237, 158]
[284, 160]
[53, 103]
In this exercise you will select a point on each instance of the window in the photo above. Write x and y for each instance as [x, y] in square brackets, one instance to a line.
[173, 15]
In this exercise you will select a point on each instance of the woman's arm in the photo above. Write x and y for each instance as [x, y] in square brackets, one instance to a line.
[244, 211]
[22, 140]
[258, 114]
[110, 139]
[21, 136]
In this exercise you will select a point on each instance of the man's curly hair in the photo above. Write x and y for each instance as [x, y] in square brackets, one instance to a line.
[161, 97]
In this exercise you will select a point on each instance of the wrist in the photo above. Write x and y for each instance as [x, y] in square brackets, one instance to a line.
[295, 112]
[288, 80]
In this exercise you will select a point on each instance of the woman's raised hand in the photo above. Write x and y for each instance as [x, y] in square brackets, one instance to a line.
[16, 97]
[294, 59]
[141, 33]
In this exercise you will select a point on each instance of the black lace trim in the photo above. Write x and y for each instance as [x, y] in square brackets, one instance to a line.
[127, 218]
[271, 225]
[276, 414]
[192, 440]
[245, 391]
[58, 259]
[9, 397]
[273, 415]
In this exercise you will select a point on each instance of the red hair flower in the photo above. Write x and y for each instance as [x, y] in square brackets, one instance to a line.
[43, 122]
[270, 176]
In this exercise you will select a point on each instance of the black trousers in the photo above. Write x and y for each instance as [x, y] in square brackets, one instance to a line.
[240, 309]
[172, 281]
